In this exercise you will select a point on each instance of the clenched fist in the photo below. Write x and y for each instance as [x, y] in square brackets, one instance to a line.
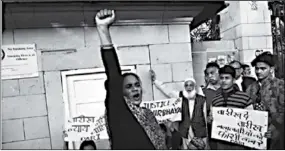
[105, 17]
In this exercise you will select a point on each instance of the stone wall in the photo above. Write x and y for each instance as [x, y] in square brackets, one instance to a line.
[250, 29]
[241, 29]
[33, 109]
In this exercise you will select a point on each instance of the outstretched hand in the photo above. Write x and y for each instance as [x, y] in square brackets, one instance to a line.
[105, 17]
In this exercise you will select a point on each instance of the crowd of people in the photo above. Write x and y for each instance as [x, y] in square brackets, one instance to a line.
[133, 127]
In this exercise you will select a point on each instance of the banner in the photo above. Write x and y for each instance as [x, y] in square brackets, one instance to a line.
[169, 109]
[240, 126]
[85, 128]
[19, 61]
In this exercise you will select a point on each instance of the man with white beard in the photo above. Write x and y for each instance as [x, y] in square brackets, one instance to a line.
[192, 128]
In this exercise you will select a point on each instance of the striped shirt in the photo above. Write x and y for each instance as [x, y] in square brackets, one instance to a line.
[237, 99]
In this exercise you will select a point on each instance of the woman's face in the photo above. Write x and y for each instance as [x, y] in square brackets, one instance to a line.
[132, 89]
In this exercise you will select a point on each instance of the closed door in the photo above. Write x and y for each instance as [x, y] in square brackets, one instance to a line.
[85, 96]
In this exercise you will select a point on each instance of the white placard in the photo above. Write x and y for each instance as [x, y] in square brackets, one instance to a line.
[19, 61]
[240, 126]
[83, 128]
[168, 109]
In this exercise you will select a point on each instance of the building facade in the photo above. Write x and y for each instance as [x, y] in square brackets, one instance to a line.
[34, 108]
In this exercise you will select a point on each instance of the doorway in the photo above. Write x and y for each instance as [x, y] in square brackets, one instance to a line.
[84, 94]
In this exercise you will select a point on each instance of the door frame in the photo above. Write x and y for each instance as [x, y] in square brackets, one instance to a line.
[66, 74]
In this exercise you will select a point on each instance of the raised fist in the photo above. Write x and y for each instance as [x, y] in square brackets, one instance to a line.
[105, 17]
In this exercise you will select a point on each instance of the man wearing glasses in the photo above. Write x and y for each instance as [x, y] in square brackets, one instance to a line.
[242, 82]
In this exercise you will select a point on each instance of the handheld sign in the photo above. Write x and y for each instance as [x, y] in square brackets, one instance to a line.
[240, 126]
[85, 128]
[163, 110]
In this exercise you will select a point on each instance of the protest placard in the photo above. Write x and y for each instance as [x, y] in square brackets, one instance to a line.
[163, 110]
[240, 126]
[19, 61]
[83, 128]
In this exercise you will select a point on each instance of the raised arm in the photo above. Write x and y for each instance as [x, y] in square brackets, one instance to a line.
[104, 19]
[163, 89]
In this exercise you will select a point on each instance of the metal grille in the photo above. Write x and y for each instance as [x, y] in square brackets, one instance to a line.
[278, 33]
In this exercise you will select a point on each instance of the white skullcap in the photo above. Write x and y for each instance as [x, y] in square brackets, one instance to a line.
[190, 79]
[198, 89]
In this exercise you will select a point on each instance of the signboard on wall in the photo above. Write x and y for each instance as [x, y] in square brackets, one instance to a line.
[222, 57]
[240, 126]
[19, 61]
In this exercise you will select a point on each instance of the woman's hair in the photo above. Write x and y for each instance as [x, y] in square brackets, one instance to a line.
[86, 143]
[124, 75]
[131, 74]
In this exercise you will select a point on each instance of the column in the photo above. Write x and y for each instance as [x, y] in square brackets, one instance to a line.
[248, 23]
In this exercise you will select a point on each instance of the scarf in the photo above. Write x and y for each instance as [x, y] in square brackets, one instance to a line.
[149, 123]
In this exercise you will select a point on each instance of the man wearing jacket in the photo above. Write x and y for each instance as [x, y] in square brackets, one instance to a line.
[268, 95]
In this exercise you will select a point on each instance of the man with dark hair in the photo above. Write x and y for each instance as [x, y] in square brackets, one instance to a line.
[230, 97]
[268, 95]
[210, 91]
[212, 78]
[88, 145]
[246, 70]
[242, 82]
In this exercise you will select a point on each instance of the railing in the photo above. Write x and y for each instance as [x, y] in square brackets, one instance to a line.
[278, 35]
